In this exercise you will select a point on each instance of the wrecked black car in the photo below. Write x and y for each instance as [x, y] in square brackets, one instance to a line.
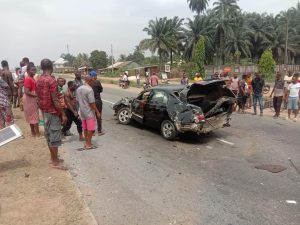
[200, 108]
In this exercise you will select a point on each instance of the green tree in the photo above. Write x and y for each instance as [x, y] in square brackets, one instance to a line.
[199, 56]
[81, 60]
[122, 58]
[70, 58]
[137, 56]
[161, 38]
[98, 59]
[198, 6]
[226, 13]
[267, 64]
[201, 26]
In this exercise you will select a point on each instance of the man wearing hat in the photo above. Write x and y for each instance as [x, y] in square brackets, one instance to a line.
[98, 89]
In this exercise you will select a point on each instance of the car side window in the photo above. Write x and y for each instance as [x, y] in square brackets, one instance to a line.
[158, 97]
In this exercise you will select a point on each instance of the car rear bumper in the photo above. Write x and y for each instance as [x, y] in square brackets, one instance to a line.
[210, 124]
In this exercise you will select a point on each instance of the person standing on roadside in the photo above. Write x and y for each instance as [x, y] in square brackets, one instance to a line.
[98, 89]
[16, 74]
[31, 109]
[293, 97]
[242, 94]
[184, 80]
[278, 92]
[138, 80]
[258, 85]
[154, 80]
[71, 111]
[53, 114]
[88, 110]
[6, 116]
[234, 84]
[78, 80]
[250, 91]
[8, 78]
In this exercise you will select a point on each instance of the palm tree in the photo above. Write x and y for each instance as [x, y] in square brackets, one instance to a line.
[285, 18]
[198, 6]
[201, 26]
[239, 40]
[226, 12]
[175, 26]
[161, 38]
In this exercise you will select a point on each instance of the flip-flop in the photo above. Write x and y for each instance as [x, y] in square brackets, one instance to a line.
[85, 148]
[59, 167]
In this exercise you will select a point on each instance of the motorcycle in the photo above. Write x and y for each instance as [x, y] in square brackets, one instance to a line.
[146, 86]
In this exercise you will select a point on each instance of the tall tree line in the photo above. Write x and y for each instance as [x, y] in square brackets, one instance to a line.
[229, 34]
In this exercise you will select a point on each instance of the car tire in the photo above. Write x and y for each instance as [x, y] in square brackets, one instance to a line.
[168, 130]
[123, 116]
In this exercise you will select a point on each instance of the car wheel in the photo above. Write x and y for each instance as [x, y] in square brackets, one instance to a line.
[168, 130]
[124, 116]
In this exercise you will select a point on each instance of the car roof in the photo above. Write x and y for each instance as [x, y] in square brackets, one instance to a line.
[169, 88]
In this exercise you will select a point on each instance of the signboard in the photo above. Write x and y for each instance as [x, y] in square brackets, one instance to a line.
[167, 68]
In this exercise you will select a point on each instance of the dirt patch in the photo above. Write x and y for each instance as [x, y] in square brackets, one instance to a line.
[31, 192]
[271, 168]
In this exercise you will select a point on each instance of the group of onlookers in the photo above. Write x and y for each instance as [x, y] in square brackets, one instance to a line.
[59, 106]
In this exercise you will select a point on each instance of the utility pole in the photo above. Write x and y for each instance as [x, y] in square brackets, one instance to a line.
[68, 51]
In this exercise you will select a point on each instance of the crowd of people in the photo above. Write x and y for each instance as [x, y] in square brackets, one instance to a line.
[44, 96]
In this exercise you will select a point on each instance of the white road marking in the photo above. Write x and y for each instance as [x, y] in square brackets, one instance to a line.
[225, 142]
[291, 202]
[108, 102]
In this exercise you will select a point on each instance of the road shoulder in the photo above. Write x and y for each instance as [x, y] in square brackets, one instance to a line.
[31, 192]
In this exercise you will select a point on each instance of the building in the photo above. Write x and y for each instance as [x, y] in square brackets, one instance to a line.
[60, 63]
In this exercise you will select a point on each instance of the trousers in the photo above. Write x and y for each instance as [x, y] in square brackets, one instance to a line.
[258, 99]
[72, 118]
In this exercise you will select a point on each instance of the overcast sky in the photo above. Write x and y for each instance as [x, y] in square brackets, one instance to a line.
[40, 28]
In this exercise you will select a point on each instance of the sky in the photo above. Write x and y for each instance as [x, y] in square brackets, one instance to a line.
[42, 29]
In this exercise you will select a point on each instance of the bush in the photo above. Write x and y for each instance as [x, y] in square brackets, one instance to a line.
[267, 64]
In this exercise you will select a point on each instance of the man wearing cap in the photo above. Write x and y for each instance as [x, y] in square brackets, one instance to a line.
[98, 89]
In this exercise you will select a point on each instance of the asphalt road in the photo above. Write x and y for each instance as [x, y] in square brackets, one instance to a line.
[137, 177]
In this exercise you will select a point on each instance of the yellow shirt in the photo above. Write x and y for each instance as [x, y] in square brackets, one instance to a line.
[198, 79]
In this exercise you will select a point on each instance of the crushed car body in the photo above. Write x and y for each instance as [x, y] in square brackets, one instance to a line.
[200, 108]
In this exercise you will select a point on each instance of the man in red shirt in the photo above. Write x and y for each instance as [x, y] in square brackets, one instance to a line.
[54, 116]
[154, 80]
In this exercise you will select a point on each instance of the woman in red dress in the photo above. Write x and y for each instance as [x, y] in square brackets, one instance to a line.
[31, 109]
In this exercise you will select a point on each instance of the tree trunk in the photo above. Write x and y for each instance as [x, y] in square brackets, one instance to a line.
[171, 57]
[160, 61]
[286, 44]
[222, 56]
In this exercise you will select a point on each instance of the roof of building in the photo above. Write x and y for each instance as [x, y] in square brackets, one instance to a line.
[60, 61]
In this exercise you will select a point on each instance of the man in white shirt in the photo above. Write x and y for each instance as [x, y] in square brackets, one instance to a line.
[293, 97]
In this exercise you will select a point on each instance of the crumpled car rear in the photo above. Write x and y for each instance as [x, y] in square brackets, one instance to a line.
[210, 98]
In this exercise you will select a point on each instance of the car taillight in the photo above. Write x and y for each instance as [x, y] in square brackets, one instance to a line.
[199, 118]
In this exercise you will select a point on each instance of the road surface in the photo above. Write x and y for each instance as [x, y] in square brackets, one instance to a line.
[137, 177]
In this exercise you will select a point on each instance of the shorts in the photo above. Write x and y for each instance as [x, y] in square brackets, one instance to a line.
[89, 124]
[293, 103]
[52, 132]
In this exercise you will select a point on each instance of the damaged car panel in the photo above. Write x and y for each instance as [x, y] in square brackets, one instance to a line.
[199, 108]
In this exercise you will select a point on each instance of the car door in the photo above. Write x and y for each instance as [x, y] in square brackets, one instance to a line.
[156, 107]
[138, 106]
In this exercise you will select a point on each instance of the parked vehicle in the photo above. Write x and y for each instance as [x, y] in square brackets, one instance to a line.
[199, 108]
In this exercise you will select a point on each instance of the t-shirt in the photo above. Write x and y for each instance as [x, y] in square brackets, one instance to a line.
[85, 97]
[294, 90]
[97, 88]
[154, 80]
[44, 87]
[8, 78]
[258, 85]
[279, 87]
[30, 83]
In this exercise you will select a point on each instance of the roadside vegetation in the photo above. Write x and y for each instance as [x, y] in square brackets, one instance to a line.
[228, 36]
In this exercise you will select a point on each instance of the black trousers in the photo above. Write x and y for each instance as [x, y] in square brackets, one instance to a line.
[72, 118]
[99, 121]
[277, 101]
